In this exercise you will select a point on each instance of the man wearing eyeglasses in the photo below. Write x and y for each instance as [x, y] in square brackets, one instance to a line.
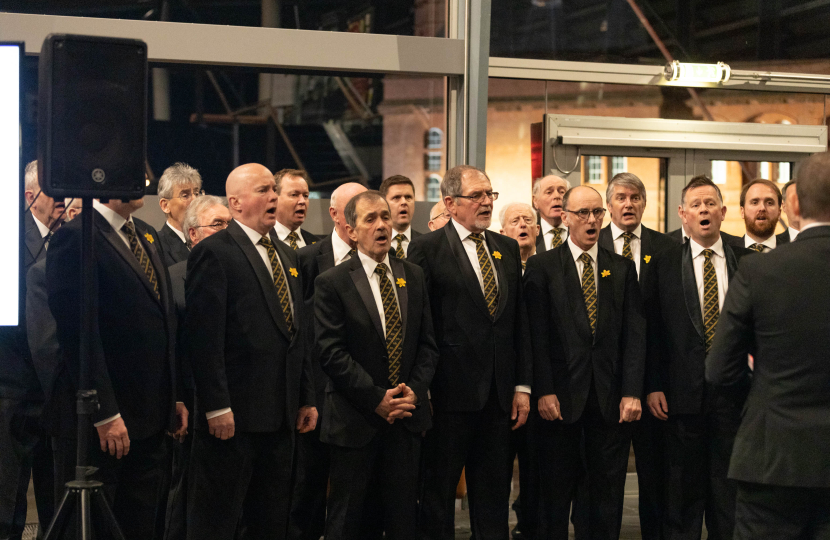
[438, 216]
[482, 384]
[588, 331]
[178, 186]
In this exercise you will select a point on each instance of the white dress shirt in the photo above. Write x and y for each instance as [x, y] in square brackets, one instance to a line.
[816, 224]
[769, 244]
[42, 229]
[619, 243]
[283, 232]
[719, 262]
[793, 233]
[470, 247]
[179, 233]
[339, 249]
[577, 252]
[547, 233]
[407, 238]
[369, 265]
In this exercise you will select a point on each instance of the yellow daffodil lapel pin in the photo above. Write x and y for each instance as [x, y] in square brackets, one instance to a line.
[647, 258]
[149, 237]
[401, 282]
[293, 271]
[497, 255]
[606, 273]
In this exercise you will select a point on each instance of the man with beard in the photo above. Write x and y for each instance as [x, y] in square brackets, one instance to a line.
[547, 200]
[687, 293]
[760, 210]
[482, 384]
[793, 219]
[399, 192]
[438, 216]
[292, 207]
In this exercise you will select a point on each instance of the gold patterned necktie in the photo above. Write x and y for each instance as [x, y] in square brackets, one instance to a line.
[292, 240]
[491, 292]
[394, 327]
[589, 290]
[279, 282]
[524, 265]
[626, 252]
[141, 255]
[399, 248]
[757, 247]
[557, 238]
[711, 307]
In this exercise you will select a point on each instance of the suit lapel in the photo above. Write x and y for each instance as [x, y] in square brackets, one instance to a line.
[645, 251]
[503, 288]
[731, 262]
[403, 297]
[605, 292]
[361, 283]
[540, 243]
[325, 259]
[573, 286]
[117, 242]
[285, 254]
[606, 240]
[467, 272]
[690, 290]
[155, 258]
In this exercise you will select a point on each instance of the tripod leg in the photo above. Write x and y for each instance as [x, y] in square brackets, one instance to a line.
[106, 517]
[84, 516]
[64, 512]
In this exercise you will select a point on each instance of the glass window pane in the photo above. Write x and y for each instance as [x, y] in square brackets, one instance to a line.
[784, 172]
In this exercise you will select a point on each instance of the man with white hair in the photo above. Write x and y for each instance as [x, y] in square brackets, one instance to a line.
[308, 508]
[43, 218]
[547, 199]
[73, 208]
[519, 222]
[178, 186]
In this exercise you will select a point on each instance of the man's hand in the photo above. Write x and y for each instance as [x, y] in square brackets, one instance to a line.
[630, 409]
[657, 405]
[520, 409]
[114, 438]
[549, 407]
[306, 419]
[182, 416]
[222, 426]
[392, 408]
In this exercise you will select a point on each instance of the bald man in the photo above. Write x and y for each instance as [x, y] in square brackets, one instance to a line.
[253, 388]
[438, 216]
[308, 506]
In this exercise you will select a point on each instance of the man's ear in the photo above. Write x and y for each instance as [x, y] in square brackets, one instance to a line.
[29, 195]
[164, 204]
[351, 232]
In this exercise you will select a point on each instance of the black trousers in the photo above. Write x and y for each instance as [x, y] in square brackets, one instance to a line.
[698, 448]
[176, 520]
[782, 513]
[648, 441]
[606, 454]
[377, 483]
[478, 441]
[240, 486]
[526, 506]
[25, 452]
[135, 486]
[307, 520]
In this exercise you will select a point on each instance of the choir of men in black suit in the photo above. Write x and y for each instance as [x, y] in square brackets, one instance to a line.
[292, 208]
[179, 185]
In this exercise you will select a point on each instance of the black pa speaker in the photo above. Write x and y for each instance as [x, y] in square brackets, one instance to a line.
[92, 117]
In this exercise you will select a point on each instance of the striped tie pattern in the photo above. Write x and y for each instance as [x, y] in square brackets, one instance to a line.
[711, 308]
[589, 290]
[399, 248]
[394, 326]
[491, 293]
[292, 240]
[279, 282]
[557, 238]
[757, 247]
[626, 252]
[141, 255]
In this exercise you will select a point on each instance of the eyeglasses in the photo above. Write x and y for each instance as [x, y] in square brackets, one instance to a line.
[217, 225]
[187, 195]
[438, 216]
[478, 198]
[583, 214]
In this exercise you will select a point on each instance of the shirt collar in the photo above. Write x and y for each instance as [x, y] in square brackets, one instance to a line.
[252, 234]
[407, 233]
[179, 233]
[546, 227]
[697, 249]
[770, 242]
[577, 251]
[616, 231]
[816, 224]
[43, 229]
[114, 219]
[369, 264]
[283, 231]
[793, 233]
[338, 247]
[463, 232]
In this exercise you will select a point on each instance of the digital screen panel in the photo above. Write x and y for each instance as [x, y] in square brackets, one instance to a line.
[10, 195]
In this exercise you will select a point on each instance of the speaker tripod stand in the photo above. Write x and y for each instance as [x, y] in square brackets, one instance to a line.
[83, 497]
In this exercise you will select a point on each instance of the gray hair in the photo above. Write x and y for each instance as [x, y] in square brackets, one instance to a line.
[196, 208]
[350, 213]
[451, 184]
[523, 206]
[625, 179]
[538, 185]
[30, 177]
[178, 174]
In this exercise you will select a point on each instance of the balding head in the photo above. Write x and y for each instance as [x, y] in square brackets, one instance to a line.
[813, 189]
[438, 216]
[340, 197]
[583, 232]
[252, 197]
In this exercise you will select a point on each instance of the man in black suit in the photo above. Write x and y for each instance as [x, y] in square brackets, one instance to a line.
[589, 360]
[292, 207]
[776, 310]
[627, 236]
[374, 330]
[547, 200]
[311, 476]
[482, 384]
[399, 192]
[179, 185]
[689, 286]
[760, 209]
[245, 345]
[205, 216]
[131, 366]
[788, 207]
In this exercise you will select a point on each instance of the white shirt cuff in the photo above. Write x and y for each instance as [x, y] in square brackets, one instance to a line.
[108, 420]
[220, 412]
[523, 388]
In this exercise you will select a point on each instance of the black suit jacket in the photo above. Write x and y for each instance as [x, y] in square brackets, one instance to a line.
[677, 340]
[652, 244]
[41, 330]
[33, 250]
[566, 356]
[677, 236]
[178, 272]
[353, 350]
[777, 310]
[308, 238]
[172, 246]
[237, 340]
[782, 238]
[474, 348]
[133, 338]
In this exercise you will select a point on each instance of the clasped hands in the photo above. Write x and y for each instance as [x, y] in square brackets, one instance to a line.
[397, 403]
[630, 408]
